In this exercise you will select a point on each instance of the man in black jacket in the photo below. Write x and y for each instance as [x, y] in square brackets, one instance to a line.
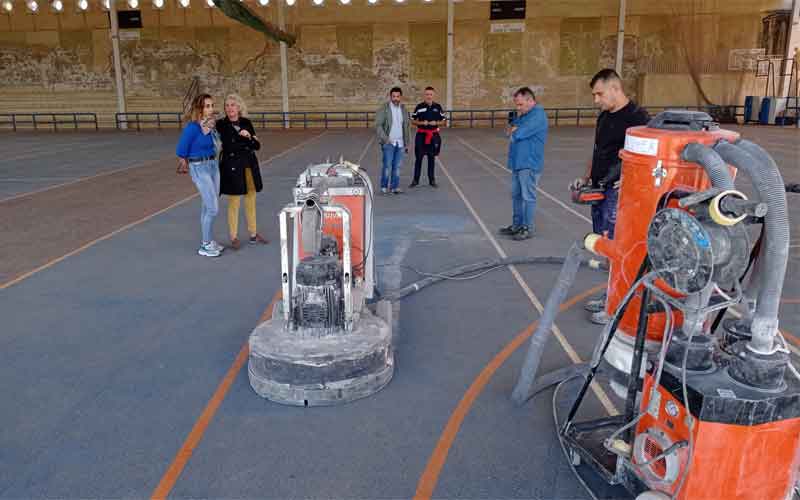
[617, 114]
[427, 116]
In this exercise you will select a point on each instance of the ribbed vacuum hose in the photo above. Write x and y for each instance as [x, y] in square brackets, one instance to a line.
[771, 270]
[714, 166]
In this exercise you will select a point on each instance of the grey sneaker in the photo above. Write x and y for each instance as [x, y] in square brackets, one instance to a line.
[523, 234]
[600, 318]
[207, 250]
[596, 305]
[384, 191]
[509, 230]
[216, 246]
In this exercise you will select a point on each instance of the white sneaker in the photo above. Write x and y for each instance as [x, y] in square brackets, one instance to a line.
[216, 246]
[600, 318]
[596, 305]
[207, 250]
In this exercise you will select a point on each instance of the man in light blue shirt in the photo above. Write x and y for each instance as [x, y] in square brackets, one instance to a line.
[393, 130]
[527, 132]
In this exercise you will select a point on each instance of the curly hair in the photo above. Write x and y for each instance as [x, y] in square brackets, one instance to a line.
[239, 102]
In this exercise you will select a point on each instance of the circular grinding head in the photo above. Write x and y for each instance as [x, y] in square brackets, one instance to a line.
[288, 367]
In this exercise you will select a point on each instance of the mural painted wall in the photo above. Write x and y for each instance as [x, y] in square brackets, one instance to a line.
[347, 57]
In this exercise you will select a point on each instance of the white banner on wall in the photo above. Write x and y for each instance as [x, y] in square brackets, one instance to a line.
[507, 28]
[126, 35]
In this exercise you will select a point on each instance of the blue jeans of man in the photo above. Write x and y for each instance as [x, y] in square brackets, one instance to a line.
[523, 197]
[205, 175]
[390, 173]
[604, 214]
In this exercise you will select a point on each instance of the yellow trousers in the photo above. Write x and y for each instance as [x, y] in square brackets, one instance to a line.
[249, 207]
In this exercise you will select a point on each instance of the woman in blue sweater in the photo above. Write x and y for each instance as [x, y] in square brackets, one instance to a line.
[197, 156]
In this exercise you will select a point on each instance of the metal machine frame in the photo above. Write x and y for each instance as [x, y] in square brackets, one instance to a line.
[286, 285]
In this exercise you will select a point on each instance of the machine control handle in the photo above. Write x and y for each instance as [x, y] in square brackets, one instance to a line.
[736, 207]
[676, 119]
[698, 198]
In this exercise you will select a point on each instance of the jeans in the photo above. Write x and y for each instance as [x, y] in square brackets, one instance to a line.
[604, 214]
[390, 173]
[205, 175]
[523, 196]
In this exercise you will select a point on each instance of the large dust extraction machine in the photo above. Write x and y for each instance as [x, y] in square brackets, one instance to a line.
[705, 412]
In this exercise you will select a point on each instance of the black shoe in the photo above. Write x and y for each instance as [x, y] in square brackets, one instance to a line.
[434, 185]
[397, 191]
[509, 230]
[413, 185]
[522, 234]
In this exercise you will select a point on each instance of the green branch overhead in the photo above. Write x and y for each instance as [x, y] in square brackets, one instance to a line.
[239, 12]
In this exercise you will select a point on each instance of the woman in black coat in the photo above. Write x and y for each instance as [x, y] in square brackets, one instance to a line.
[238, 165]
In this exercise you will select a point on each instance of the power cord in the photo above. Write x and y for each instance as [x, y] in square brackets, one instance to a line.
[561, 440]
[445, 276]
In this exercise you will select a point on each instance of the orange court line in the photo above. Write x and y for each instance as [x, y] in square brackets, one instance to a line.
[80, 249]
[55, 261]
[430, 476]
[82, 179]
[175, 469]
[791, 338]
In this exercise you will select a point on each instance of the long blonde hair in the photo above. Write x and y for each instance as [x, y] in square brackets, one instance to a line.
[198, 103]
[239, 102]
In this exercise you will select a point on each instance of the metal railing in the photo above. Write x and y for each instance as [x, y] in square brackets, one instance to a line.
[54, 120]
[499, 117]
[577, 116]
[262, 119]
[457, 118]
[312, 119]
[157, 119]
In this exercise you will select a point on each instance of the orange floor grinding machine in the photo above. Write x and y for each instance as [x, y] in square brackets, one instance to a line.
[328, 341]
